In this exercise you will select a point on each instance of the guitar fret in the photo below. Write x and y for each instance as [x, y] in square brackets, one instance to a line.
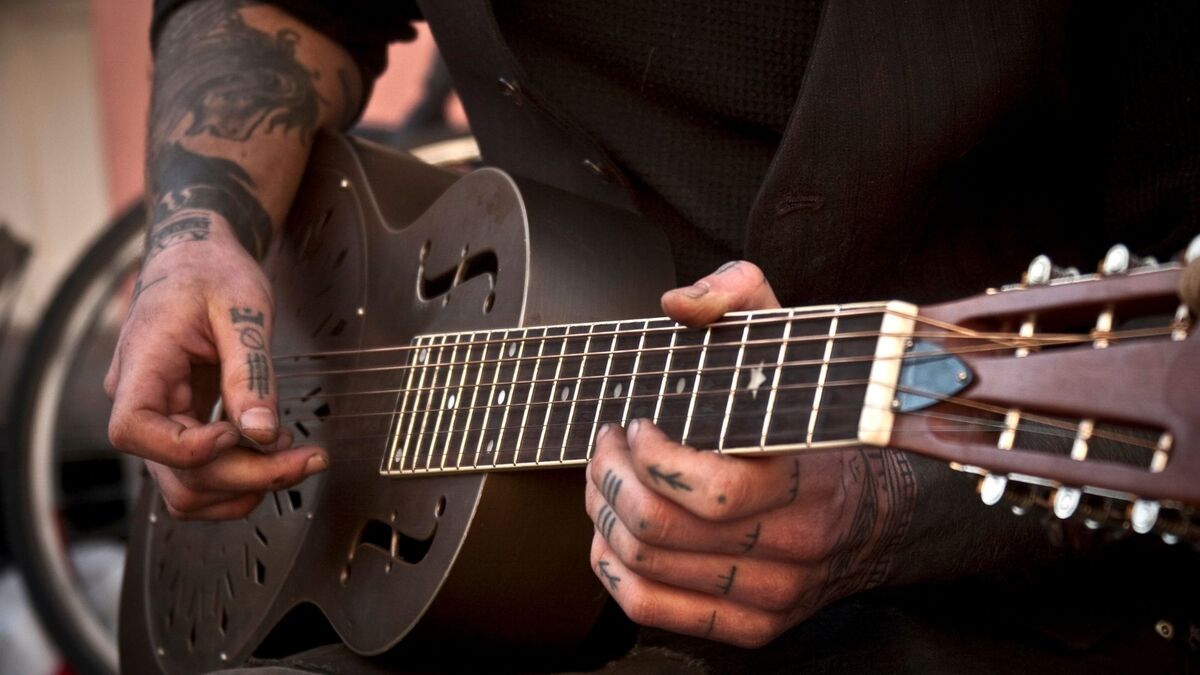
[466, 433]
[508, 401]
[455, 400]
[537, 364]
[404, 404]
[783, 343]
[441, 408]
[587, 345]
[429, 393]
[637, 359]
[490, 403]
[662, 387]
[687, 425]
[537, 457]
[816, 406]
[612, 347]
[733, 382]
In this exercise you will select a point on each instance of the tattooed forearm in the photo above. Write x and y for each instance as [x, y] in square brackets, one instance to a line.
[673, 480]
[249, 325]
[612, 579]
[219, 77]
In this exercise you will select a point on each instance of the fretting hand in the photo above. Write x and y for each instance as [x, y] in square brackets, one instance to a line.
[738, 549]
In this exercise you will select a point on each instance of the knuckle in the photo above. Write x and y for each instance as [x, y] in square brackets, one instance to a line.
[791, 589]
[653, 523]
[642, 609]
[118, 432]
[729, 495]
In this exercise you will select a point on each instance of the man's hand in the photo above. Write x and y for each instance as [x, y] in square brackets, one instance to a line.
[730, 548]
[199, 310]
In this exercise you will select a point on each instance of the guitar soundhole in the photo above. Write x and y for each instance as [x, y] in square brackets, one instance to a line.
[431, 286]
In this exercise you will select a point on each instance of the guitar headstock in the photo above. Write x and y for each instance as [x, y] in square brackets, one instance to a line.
[1077, 393]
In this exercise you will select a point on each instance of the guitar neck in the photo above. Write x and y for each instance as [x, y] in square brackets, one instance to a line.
[755, 382]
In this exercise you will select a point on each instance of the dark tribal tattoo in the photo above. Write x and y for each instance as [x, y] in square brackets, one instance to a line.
[216, 75]
[673, 480]
[251, 337]
[610, 486]
[750, 539]
[605, 520]
[726, 580]
[864, 551]
[259, 382]
[139, 288]
[612, 579]
[176, 230]
[794, 490]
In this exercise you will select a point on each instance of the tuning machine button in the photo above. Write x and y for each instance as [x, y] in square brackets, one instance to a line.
[1119, 260]
[1066, 501]
[1041, 272]
[1143, 514]
[1193, 251]
[991, 488]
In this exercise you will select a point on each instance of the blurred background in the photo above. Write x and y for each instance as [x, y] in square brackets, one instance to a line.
[74, 91]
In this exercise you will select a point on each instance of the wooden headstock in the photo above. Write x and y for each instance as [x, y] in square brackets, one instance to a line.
[1083, 395]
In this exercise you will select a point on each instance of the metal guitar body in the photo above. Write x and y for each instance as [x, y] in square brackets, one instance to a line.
[379, 248]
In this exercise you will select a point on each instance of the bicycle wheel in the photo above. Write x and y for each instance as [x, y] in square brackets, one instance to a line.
[63, 485]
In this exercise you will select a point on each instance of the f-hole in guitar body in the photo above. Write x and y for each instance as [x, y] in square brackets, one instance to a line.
[377, 249]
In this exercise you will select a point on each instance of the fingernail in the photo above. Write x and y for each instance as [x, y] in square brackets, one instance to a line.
[695, 291]
[258, 418]
[315, 464]
[227, 439]
[604, 429]
[633, 428]
[727, 266]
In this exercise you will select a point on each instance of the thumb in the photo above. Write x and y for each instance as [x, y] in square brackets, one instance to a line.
[243, 337]
[735, 286]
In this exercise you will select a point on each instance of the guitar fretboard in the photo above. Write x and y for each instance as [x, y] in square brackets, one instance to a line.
[525, 397]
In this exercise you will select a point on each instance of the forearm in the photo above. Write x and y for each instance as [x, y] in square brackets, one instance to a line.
[240, 89]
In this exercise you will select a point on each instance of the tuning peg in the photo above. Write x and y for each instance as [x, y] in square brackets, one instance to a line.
[991, 488]
[1041, 271]
[1119, 260]
[1066, 500]
[1143, 514]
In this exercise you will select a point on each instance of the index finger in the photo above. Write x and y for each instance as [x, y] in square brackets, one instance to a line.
[141, 423]
[712, 486]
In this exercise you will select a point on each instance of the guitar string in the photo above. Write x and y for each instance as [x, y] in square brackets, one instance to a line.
[776, 316]
[967, 424]
[660, 373]
[1067, 428]
[1116, 335]
[1011, 340]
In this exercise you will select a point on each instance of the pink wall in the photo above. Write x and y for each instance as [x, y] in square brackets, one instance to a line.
[120, 29]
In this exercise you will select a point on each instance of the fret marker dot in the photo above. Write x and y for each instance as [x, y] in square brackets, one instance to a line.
[565, 393]
[617, 389]
[512, 349]
[500, 397]
[422, 355]
[489, 447]
[679, 386]
[450, 401]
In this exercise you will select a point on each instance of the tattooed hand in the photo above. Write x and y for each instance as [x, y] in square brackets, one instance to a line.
[238, 96]
[737, 549]
[200, 325]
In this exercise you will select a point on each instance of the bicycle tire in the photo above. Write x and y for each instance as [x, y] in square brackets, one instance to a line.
[41, 563]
